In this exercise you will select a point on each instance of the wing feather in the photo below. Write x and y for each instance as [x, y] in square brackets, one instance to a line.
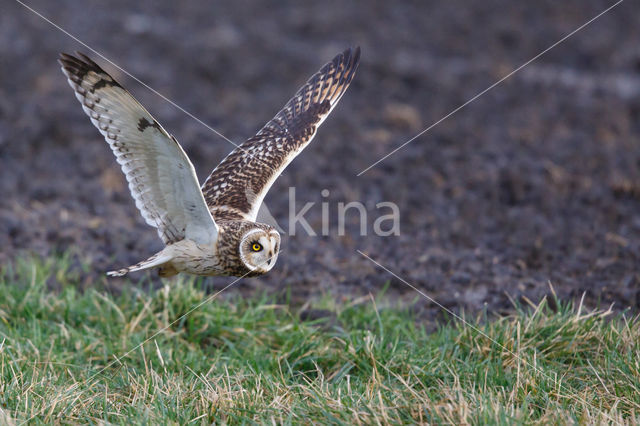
[161, 178]
[236, 187]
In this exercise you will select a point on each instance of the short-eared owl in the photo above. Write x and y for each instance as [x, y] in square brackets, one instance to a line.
[210, 230]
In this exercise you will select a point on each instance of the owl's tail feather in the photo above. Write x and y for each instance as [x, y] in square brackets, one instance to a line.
[157, 259]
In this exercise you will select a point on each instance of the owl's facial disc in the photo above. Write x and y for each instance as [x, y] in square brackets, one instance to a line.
[259, 250]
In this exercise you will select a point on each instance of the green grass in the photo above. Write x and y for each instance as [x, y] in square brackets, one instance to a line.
[243, 361]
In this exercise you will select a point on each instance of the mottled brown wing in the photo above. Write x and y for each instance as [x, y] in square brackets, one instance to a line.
[235, 189]
[161, 178]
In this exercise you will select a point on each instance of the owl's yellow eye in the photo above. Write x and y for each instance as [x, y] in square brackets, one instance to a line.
[256, 247]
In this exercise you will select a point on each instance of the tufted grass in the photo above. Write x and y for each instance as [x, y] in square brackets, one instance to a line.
[242, 361]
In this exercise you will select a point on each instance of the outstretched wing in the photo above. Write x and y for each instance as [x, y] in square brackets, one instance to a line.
[236, 188]
[161, 178]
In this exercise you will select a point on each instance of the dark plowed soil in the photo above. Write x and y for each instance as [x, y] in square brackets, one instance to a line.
[535, 182]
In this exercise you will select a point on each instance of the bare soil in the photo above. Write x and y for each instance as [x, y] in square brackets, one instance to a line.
[535, 182]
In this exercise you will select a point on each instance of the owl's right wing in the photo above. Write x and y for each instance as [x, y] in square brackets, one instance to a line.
[161, 178]
[236, 188]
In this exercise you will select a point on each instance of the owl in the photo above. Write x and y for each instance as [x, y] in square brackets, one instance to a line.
[209, 229]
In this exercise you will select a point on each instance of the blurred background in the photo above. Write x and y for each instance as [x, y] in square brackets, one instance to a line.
[535, 182]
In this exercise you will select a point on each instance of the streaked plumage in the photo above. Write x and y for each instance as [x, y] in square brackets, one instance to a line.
[209, 230]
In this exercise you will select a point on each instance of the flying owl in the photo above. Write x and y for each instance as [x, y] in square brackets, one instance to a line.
[208, 230]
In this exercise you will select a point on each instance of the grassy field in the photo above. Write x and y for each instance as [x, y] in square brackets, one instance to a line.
[239, 361]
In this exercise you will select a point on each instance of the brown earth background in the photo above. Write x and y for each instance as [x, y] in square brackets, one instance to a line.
[535, 182]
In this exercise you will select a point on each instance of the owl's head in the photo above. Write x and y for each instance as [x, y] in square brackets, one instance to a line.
[259, 249]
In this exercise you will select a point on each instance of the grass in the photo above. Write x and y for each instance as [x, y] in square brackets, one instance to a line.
[244, 361]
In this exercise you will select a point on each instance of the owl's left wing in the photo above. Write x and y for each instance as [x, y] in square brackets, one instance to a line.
[235, 189]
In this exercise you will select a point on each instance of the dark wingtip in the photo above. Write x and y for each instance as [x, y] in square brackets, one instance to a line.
[79, 64]
[351, 58]
[65, 59]
[351, 55]
[88, 60]
[71, 66]
[356, 54]
[355, 58]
